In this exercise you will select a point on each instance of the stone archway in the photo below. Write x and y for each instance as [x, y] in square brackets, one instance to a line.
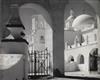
[55, 9]
[38, 25]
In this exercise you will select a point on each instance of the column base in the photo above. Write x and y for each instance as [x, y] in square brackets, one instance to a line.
[57, 73]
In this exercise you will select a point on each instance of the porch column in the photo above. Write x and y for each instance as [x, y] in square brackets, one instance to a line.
[1, 72]
[57, 16]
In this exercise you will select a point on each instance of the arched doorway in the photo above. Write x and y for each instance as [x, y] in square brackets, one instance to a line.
[80, 59]
[93, 58]
[38, 25]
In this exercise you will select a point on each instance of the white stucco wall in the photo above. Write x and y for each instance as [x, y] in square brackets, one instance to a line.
[91, 37]
[84, 50]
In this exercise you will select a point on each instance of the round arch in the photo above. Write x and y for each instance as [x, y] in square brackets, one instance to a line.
[93, 56]
[94, 51]
[30, 15]
[70, 58]
[26, 12]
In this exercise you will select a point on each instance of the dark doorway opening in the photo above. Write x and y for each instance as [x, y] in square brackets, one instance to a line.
[93, 60]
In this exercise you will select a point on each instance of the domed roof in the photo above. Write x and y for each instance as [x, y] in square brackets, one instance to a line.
[83, 21]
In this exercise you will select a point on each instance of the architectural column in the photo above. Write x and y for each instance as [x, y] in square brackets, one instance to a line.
[1, 72]
[57, 16]
[0, 22]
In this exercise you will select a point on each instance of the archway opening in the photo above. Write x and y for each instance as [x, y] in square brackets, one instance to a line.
[39, 34]
[93, 58]
[70, 59]
[80, 59]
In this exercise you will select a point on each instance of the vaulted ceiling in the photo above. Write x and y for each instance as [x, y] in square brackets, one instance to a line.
[49, 5]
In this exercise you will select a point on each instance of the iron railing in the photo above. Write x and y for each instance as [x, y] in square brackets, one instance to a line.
[39, 63]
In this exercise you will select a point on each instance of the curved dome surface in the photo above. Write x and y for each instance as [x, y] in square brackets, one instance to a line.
[83, 21]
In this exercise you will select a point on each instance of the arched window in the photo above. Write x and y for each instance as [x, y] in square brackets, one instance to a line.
[70, 58]
[93, 60]
[80, 59]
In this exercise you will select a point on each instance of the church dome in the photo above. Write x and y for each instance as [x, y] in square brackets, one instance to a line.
[83, 21]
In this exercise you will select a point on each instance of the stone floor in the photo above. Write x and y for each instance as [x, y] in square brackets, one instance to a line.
[83, 74]
[64, 79]
[60, 79]
[75, 76]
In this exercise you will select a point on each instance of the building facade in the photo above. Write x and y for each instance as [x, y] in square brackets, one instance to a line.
[82, 46]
